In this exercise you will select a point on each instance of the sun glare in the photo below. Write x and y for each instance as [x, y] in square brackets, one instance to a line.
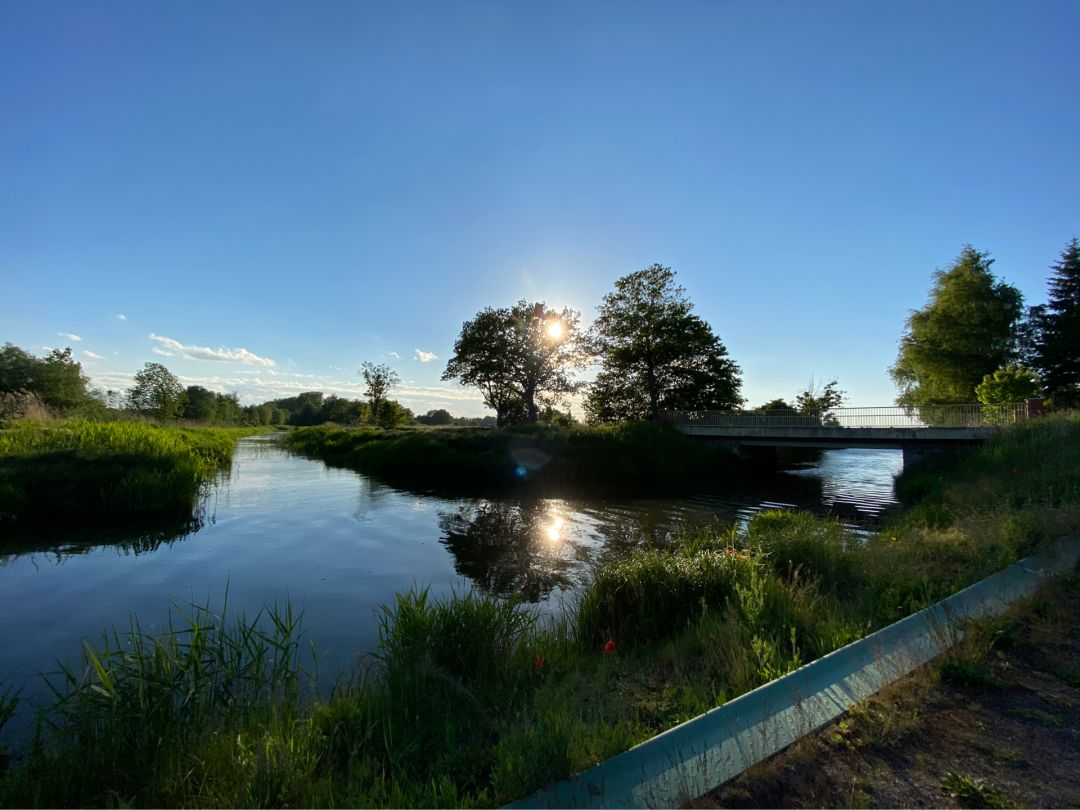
[555, 329]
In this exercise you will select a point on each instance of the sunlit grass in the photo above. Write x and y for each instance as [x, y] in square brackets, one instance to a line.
[76, 470]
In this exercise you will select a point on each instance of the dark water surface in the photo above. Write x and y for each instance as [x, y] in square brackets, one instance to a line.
[339, 544]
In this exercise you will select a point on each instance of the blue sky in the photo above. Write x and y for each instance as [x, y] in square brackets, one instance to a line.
[263, 195]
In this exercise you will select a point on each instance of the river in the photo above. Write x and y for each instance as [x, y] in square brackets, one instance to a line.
[339, 544]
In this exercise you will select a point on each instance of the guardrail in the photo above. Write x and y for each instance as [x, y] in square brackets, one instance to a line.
[925, 416]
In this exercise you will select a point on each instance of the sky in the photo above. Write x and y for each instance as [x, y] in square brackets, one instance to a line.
[263, 195]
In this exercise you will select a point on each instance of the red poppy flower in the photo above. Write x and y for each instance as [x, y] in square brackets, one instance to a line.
[538, 661]
[609, 647]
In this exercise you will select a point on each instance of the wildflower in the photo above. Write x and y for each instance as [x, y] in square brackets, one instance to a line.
[538, 661]
[742, 556]
[609, 647]
[730, 551]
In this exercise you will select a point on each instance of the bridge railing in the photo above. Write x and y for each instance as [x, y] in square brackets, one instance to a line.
[925, 416]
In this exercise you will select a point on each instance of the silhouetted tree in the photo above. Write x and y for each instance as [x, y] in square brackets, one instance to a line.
[655, 353]
[518, 356]
[1057, 345]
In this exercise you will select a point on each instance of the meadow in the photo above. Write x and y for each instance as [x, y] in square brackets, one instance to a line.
[474, 701]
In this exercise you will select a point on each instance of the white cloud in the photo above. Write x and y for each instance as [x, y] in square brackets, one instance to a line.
[92, 356]
[239, 355]
[162, 352]
[69, 336]
[425, 357]
[120, 317]
[395, 355]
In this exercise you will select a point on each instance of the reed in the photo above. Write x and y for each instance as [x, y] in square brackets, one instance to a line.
[79, 471]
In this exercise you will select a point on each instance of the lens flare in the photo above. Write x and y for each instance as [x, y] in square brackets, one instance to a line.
[555, 329]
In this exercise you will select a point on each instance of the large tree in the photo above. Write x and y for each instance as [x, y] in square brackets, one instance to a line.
[156, 392]
[965, 331]
[519, 357]
[1057, 344]
[655, 353]
[56, 380]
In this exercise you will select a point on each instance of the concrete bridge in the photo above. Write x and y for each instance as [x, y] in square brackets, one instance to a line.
[917, 431]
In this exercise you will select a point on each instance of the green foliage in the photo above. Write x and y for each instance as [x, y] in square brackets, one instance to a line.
[963, 333]
[628, 458]
[518, 357]
[438, 416]
[1008, 385]
[971, 792]
[56, 380]
[812, 402]
[1057, 341]
[655, 353]
[472, 701]
[76, 471]
[156, 392]
[379, 379]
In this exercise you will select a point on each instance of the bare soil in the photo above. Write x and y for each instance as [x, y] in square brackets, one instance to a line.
[995, 723]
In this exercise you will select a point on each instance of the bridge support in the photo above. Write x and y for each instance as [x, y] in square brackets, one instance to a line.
[914, 453]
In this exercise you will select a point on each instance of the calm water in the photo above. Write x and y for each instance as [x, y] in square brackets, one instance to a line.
[339, 544]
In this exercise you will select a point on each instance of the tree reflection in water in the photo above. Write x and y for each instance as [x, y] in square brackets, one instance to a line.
[63, 542]
[512, 548]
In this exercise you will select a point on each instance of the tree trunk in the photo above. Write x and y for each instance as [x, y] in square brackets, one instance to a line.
[654, 395]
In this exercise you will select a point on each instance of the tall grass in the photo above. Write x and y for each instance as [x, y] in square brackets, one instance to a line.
[79, 470]
[472, 700]
[635, 458]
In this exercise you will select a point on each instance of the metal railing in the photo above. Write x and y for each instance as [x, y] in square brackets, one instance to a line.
[925, 416]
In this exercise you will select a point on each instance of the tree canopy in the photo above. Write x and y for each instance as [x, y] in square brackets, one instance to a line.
[1008, 385]
[379, 379]
[156, 392]
[520, 358]
[965, 331]
[1057, 342]
[57, 379]
[655, 353]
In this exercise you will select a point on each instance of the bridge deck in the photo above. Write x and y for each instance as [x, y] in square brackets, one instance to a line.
[887, 427]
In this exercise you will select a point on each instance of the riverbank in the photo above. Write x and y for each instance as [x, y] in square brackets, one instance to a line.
[472, 701]
[993, 723]
[625, 459]
[74, 471]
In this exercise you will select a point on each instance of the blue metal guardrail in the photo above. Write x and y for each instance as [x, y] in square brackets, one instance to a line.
[689, 760]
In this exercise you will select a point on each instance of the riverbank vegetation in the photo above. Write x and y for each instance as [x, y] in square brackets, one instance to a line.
[630, 458]
[472, 700]
[82, 471]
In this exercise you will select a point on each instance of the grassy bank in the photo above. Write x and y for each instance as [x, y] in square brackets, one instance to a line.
[473, 701]
[78, 471]
[637, 458]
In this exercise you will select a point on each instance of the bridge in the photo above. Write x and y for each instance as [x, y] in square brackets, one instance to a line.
[918, 431]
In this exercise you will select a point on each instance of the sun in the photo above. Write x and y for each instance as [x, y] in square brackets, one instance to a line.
[555, 329]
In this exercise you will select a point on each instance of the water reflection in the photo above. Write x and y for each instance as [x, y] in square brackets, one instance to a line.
[512, 548]
[133, 538]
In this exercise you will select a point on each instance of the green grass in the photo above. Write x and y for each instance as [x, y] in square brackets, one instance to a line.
[633, 458]
[472, 700]
[91, 472]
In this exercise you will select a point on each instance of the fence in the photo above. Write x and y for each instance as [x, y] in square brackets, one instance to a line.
[925, 416]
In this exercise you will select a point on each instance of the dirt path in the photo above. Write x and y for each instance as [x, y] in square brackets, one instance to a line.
[996, 724]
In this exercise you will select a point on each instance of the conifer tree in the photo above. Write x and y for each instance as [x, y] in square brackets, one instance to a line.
[1057, 346]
